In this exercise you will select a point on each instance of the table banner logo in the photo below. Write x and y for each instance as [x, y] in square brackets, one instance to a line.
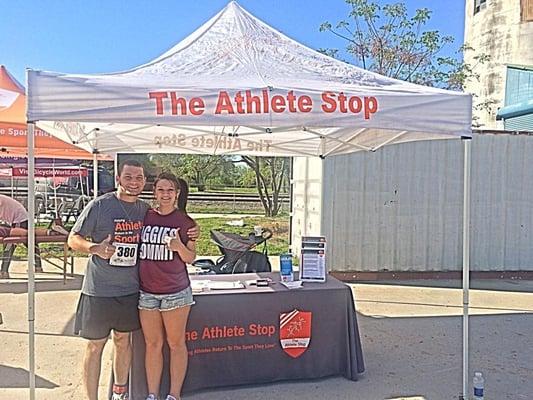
[295, 332]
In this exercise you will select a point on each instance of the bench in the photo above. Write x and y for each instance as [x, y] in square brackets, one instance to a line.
[62, 262]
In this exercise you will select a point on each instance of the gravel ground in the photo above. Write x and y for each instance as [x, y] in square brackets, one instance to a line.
[411, 334]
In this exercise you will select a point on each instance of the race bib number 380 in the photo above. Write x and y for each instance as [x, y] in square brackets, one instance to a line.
[125, 255]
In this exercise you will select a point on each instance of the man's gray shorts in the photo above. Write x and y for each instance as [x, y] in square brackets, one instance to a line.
[97, 316]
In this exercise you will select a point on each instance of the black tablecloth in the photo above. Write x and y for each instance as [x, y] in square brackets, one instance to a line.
[234, 336]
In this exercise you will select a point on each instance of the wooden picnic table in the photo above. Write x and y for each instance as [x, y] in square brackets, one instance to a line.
[62, 262]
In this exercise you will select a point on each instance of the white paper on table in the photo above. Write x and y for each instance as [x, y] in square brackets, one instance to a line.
[293, 284]
[199, 285]
[225, 285]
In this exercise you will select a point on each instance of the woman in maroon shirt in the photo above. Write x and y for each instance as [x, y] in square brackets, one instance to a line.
[166, 296]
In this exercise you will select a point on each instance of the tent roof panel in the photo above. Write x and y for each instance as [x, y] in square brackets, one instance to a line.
[237, 71]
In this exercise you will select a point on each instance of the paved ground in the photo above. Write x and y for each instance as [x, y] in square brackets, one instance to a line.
[411, 342]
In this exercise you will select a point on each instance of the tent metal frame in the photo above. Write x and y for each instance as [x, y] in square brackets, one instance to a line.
[31, 251]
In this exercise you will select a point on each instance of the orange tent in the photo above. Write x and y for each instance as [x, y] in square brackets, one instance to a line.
[13, 131]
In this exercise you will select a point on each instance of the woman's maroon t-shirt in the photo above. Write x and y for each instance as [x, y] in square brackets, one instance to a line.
[162, 271]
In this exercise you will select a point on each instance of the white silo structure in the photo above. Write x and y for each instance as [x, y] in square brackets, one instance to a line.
[503, 30]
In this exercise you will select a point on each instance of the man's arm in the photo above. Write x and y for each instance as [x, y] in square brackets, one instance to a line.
[194, 232]
[104, 249]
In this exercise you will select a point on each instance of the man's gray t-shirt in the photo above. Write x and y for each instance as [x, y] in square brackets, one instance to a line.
[104, 216]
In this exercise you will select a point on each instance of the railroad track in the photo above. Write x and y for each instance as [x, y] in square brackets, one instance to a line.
[221, 197]
[20, 192]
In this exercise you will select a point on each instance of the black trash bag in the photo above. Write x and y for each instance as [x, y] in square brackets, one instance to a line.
[252, 261]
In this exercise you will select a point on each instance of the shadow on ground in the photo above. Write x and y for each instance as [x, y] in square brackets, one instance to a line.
[11, 377]
[48, 283]
[68, 329]
[508, 285]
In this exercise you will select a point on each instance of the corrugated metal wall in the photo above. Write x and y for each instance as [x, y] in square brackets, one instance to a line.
[400, 208]
[522, 123]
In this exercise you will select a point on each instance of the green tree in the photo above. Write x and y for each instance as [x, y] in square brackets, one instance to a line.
[271, 177]
[144, 159]
[198, 170]
[150, 169]
[386, 40]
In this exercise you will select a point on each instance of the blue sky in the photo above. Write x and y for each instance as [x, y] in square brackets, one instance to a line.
[93, 36]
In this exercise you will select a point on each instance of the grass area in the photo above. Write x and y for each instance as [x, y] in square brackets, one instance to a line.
[22, 253]
[228, 207]
[279, 226]
[278, 244]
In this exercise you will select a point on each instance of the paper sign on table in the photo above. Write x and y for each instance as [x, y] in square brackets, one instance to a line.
[313, 259]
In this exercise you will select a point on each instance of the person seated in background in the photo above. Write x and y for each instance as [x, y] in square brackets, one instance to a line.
[14, 222]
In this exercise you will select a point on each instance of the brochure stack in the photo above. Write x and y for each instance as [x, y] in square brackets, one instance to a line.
[313, 259]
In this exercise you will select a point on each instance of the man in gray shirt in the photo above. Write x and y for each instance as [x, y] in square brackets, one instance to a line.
[109, 230]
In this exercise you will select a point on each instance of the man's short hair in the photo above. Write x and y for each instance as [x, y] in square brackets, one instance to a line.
[131, 163]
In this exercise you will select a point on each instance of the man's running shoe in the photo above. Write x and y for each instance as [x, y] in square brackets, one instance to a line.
[151, 397]
[120, 396]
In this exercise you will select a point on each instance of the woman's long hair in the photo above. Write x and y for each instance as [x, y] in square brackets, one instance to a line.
[184, 194]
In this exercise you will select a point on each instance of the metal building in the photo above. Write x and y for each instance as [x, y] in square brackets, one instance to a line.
[400, 208]
[517, 112]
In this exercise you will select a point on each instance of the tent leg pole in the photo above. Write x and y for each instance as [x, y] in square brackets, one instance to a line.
[115, 169]
[95, 175]
[321, 201]
[466, 261]
[306, 198]
[31, 257]
[291, 202]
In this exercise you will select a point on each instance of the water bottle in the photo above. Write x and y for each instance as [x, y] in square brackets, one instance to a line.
[479, 386]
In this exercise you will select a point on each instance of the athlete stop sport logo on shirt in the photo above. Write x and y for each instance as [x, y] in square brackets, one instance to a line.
[126, 238]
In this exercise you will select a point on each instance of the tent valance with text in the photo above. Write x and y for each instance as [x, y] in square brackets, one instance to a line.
[236, 85]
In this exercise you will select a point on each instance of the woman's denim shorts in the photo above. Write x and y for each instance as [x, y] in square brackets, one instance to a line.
[165, 302]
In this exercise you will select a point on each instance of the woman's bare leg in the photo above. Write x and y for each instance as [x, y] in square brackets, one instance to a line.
[175, 322]
[153, 330]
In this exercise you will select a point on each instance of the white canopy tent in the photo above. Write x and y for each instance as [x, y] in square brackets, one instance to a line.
[237, 86]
